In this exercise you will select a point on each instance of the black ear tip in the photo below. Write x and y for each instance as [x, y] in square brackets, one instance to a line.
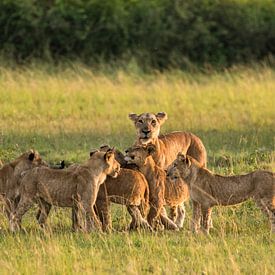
[92, 152]
[31, 156]
[62, 164]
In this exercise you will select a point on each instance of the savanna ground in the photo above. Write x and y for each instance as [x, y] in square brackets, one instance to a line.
[66, 112]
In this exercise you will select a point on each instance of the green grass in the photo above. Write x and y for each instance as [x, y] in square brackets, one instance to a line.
[64, 113]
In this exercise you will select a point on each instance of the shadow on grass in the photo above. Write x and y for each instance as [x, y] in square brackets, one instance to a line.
[225, 148]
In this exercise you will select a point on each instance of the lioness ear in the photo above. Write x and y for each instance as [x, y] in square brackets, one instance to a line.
[108, 155]
[162, 116]
[151, 149]
[92, 152]
[133, 116]
[31, 156]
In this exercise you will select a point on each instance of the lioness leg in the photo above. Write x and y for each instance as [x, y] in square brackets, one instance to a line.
[180, 215]
[168, 224]
[196, 217]
[137, 219]
[23, 206]
[206, 218]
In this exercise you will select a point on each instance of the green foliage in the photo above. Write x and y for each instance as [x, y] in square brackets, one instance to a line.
[157, 34]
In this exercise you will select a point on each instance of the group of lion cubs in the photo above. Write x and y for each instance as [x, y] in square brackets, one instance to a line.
[157, 170]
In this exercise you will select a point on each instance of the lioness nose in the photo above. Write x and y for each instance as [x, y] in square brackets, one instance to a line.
[146, 132]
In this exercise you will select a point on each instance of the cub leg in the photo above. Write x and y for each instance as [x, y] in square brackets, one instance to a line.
[268, 209]
[206, 218]
[102, 207]
[43, 212]
[137, 219]
[154, 213]
[23, 206]
[196, 217]
[173, 213]
[180, 215]
[92, 221]
[168, 224]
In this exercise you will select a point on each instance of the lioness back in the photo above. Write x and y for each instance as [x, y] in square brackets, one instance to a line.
[184, 142]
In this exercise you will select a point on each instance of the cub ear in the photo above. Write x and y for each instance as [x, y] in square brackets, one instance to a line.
[188, 161]
[108, 155]
[181, 156]
[133, 116]
[92, 152]
[104, 147]
[151, 149]
[162, 116]
[31, 156]
[62, 164]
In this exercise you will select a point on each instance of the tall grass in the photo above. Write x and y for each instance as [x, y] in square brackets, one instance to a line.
[66, 113]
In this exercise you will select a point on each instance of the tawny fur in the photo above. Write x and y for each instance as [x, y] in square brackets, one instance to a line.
[167, 146]
[130, 188]
[10, 175]
[208, 189]
[76, 189]
[155, 176]
[176, 194]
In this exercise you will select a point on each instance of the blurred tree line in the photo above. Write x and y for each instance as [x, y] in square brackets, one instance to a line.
[155, 33]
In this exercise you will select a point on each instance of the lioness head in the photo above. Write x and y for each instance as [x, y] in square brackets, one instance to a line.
[148, 125]
[110, 166]
[179, 167]
[138, 154]
[27, 161]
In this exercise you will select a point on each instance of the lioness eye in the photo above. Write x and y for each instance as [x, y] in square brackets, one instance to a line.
[153, 121]
[140, 121]
[132, 157]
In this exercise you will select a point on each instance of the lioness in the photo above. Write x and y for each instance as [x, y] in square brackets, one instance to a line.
[208, 189]
[130, 188]
[77, 189]
[167, 146]
[11, 173]
[155, 176]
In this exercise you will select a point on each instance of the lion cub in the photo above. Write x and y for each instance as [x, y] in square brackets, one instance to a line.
[130, 188]
[155, 176]
[77, 188]
[208, 189]
[10, 175]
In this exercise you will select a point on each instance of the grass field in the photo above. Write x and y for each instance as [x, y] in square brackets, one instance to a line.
[66, 112]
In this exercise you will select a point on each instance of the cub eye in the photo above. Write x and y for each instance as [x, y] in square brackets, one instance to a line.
[140, 121]
[132, 157]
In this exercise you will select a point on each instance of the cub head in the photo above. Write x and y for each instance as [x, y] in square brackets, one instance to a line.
[138, 154]
[180, 167]
[110, 165]
[118, 155]
[27, 161]
[148, 125]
